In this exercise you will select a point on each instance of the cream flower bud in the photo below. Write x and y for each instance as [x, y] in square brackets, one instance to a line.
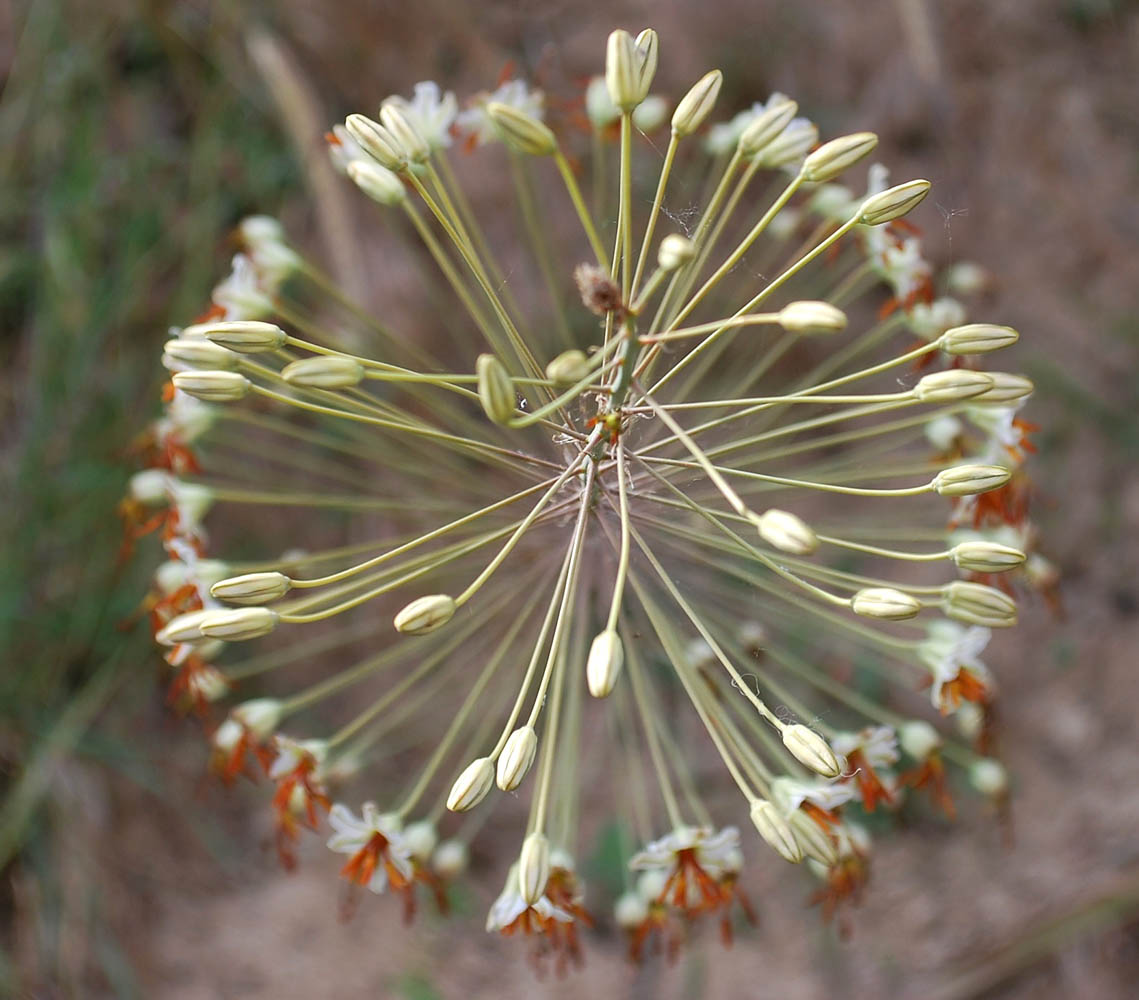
[568, 368]
[986, 557]
[378, 183]
[813, 840]
[183, 628]
[261, 716]
[621, 70]
[183, 354]
[603, 666]
[977, 338]
[496, 391]
[227, 736]
[151, 486]
[252, 588]
[919, 739]
[885, 603]
[812, 317]
[675, 251]
[376, 141]
[650, 114]
[516, 758]
[989, 777]
[952, 385]
[775, 830]
[425, 614]
[977, 604]
[647, 47]
[787, 532]
[450, 859]
[247, 336]
[811, 750]
[325, 372]
[630, 911]
[237, 624]
[471, 786]
[406, 136]
[832, 158]
[420, 838]
[1006, 388]
[521, 132]
[892, 203]
[765, 128]
[697, 104]
[534, 867]
[212, 386]
[968, 480]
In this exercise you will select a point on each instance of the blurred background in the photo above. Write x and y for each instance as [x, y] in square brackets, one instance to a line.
[134, 135]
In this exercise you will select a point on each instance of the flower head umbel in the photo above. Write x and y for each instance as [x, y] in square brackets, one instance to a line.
[616, 505]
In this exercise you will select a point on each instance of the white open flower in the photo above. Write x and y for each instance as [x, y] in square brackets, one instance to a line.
[431, 111]
[375, 833]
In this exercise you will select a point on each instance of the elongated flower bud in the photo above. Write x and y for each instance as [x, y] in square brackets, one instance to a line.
[377, 142]
[516, 758]
[325, 372]
[765, 128]
[885, 604]
[496, 391]
[521, 132]
[400, 128]
[568, 368]
[775, 830]
[603, 666]
[647, 51]
[212, 387]
[893, 203]
[425, 614]
[811, 750]
[378, 183]
[977, 604]
[534, 867]
[252, 588]
[471, 786]
[812, 317]
[183, 628]
[787, 532]
[184, 354]
[952, 385]
[697, 104]
[246, 336]
[621, 70]
[968, 480]
[813, 840]
[1006, 388]
[832, 158]
[986, 557]
[239, 624]
[977, 338]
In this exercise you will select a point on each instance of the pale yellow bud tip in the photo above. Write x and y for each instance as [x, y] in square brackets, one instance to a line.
[602, 668]
[425, 614]
[811, 750]
[252, 588]
[775, 830]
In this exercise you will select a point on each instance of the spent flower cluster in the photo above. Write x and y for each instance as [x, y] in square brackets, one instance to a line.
[613, 505]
